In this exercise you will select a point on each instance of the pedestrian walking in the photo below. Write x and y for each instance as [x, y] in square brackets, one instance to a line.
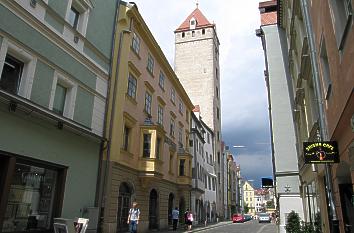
[175, 216]
[189, 220]
[133, 218]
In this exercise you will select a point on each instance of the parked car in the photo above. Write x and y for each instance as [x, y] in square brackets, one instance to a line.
[264, 217]
[247, 217]
[238, 218]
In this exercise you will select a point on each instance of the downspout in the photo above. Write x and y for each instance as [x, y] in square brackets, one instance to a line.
[100, 189]
[322, 117]
[113, 112]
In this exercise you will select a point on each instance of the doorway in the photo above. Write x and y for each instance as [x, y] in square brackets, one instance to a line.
[124, 200]
[153, 210]
[171, 198]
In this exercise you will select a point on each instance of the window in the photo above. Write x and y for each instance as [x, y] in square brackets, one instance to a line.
[197, 145]
[158, 148]
[218, 157]
[74, 17]
[325, 69]
[341, 14]
[211, 159]
[180, 106]
[193, 33]
[173, 95]
[11, 75]
[181, 167]
[132, 83]
[217, 92]
[218, 136]
[217, 113]
[209, 182]
[203, 31]
[219, 178]
[160, 115]
[172, 127]
[217, 73]
[148, 100]
[208, 137]
[183, 34]
[59, 99]
[171, 163]
[206, 156]
[180, 136]
[146, 145]
[214, 186]
[136, 43]
[150, 64]
[33, 189]
[126, 138]
[162, 80]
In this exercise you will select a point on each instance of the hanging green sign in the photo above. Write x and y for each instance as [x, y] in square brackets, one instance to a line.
[321, 152]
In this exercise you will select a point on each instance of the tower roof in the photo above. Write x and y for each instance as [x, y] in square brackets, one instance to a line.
[202, 21]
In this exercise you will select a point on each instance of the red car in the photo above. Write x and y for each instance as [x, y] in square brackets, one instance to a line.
[238, 218]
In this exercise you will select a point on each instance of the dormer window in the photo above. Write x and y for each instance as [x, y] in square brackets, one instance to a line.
[192, 23]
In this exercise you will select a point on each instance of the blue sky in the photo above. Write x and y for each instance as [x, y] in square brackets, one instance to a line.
[243, 92]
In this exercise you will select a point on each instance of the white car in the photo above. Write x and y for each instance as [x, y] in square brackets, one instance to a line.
[264, 217]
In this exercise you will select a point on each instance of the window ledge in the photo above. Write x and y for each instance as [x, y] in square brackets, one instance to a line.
[151, 73]
[131, 99]
[136, 53]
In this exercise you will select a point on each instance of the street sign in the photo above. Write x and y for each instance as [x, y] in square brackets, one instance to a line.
[321, 152]
[267, 182]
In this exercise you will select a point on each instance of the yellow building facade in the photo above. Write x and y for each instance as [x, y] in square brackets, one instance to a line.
[248, 197]
[147, 154]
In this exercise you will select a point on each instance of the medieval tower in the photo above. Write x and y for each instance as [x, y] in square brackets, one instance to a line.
[197, 67]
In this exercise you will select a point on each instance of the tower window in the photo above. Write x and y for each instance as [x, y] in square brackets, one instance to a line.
[193, 33]
[183, 34]
[203, 31]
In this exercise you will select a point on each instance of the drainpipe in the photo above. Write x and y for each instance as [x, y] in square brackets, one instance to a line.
[112, 115]
[322, 117]
[101, 172]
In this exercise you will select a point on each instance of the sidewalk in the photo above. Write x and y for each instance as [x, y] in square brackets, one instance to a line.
[196, 228]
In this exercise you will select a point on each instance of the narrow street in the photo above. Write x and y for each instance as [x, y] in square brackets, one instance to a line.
[247, 227]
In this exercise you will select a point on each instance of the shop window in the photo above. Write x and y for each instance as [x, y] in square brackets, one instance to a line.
[11, 74]
[31, 204]
[146, 145]
[182, 167]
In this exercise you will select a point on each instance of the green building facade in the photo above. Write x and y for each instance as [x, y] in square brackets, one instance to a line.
[55, 58]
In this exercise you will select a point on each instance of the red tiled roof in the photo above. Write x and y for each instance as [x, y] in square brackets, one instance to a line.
[268, 18]
[202, 21]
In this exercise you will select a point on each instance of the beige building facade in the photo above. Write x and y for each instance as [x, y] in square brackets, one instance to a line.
[197, 66]
[148, 159]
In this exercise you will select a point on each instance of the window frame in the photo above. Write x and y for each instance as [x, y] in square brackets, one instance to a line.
[83, 7]
[29, 68]
[162, 78]
[173, 95]
[146, 155]
[70, 99]
[135, 45]
[130, 91]
[160, 113]
[150, 64]
[148, 102]
[172, 127]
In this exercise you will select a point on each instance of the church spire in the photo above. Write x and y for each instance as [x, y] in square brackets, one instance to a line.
[196, 15]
